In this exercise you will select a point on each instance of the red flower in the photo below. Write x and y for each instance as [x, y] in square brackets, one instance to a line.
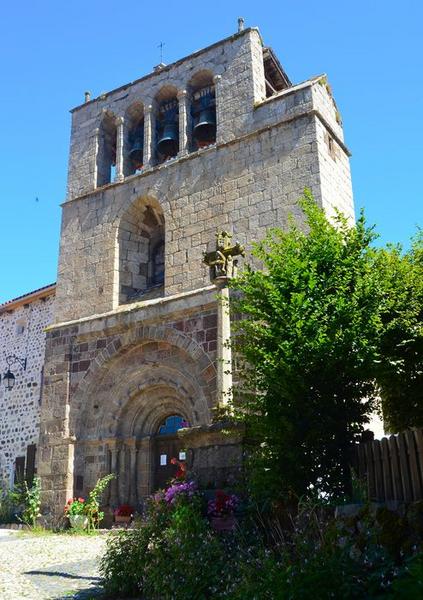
[81, 500]
[221, 500]
[125, 510]
[181, 471]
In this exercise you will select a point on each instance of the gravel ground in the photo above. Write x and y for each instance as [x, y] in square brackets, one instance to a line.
[49, 566]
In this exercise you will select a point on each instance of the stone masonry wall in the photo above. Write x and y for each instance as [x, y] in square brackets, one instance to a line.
[244, 187]
[105, 375]
[22, 334]
[334, 174]
[334, 163]
[248, 181]
[238, 60]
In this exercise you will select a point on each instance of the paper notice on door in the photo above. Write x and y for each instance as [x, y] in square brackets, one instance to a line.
[182, 456]
[163, 460]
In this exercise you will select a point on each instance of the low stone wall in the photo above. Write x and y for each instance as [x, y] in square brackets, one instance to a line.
[214, 454]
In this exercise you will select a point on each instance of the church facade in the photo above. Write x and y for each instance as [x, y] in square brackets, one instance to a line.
[218, 141]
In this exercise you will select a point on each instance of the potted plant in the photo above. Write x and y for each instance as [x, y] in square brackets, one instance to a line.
[221, 511]
[86, 514]
[124, 513]
[75, 510]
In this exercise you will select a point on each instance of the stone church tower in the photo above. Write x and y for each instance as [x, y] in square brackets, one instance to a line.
[219, 140]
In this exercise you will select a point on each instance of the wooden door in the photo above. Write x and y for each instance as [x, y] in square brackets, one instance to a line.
[166, 448]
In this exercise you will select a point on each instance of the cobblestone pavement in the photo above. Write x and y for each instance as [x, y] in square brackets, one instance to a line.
[49, 567]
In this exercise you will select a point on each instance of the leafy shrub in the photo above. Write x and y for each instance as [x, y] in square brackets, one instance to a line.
[31, 497]
[21, 503]
[168, 573]
[10, 505]
[330, 329]
[92, 505]
[410, 585]
[174, 554]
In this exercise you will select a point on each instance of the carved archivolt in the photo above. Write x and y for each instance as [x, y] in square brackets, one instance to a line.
[136, 382]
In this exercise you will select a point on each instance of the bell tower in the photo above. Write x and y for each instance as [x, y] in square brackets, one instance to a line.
[220, 140]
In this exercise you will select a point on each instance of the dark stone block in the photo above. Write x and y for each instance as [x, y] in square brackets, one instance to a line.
[211, 334]
[210, 321]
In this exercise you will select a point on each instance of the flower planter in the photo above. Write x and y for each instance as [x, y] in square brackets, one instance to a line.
[123, 519]
[78, 521]
[226, 523]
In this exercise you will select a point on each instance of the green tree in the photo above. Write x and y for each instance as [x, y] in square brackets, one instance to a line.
[400, 372]
[308, 348]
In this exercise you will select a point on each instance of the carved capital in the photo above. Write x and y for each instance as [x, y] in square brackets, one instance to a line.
[182, 94]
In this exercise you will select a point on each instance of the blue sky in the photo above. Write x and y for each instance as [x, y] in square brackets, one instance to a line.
[53, 51]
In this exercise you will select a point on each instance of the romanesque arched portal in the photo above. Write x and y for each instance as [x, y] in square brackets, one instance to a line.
[117, 413]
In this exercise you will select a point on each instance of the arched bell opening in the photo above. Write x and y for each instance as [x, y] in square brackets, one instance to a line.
[141, 252]
[167, 124]
[134, 139]
[106, 153]
[203, 110]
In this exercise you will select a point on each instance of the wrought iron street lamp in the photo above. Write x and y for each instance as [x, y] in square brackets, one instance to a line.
[9, 378]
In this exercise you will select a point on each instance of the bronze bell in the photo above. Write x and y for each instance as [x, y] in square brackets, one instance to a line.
[168, 144]
[205, 130]
[136, 153]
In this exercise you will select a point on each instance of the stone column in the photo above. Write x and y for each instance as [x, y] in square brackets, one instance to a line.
[96, 143]
[119, 149]
[133, 496]
[149, 124]
[121, 455]
[144, 480]
[217, 83]
[183, 123]
[114, 499]
[224, 353]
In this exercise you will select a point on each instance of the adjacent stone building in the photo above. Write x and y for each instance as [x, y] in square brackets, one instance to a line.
[22, 324]
[219, 140]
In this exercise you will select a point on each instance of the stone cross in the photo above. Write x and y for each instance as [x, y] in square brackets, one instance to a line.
[221, 261]
[222, 267]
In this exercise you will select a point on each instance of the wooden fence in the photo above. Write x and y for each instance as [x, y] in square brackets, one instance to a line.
[393, 467]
